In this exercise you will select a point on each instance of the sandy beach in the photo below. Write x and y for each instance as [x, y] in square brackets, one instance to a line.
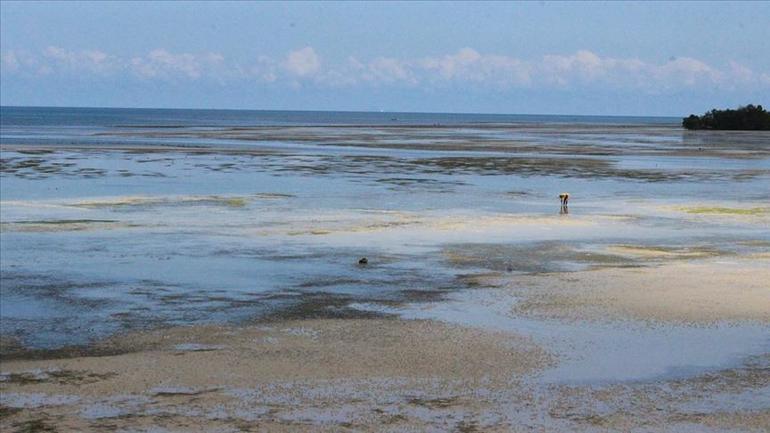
[706, 291]
[389, 374]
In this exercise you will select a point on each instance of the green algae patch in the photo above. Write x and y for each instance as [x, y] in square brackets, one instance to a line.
[663, 252]
[540, 257]
[61, 225]
[138, 202]
[146, 202]
[234, 202]
[316, 232]
[716, 210]
[62, 377]
[754, 243]
[63, 222]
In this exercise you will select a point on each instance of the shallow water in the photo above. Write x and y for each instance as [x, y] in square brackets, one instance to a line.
[597, 352]
[108, 226]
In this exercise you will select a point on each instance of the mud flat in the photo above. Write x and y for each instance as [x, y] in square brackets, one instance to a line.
[291, 375]
[518, 353]
[704, 291]
[358, 375]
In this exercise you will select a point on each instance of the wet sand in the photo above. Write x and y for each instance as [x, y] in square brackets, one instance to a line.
[188, 375]
[396, 374]
[706, 291]
[357, 375]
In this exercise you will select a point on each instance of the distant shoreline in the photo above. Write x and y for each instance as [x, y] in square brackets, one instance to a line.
[385, 117]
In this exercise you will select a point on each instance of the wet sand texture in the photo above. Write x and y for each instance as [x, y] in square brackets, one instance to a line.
[727, 289]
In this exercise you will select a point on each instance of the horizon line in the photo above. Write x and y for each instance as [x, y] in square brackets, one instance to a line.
[338, 111]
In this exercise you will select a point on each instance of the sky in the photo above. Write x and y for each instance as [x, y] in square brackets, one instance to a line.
[625, 58]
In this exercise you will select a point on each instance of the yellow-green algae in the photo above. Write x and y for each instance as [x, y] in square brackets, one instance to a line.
[235, 202]
[717, 210]
[61, 225]
[653, 251]
[212, 200]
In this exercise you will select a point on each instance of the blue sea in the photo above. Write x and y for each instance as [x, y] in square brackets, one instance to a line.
[53, 125]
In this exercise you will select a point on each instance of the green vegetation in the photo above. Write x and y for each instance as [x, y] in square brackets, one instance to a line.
[235, 202]
[61, 222]
[750, 117]
[727, 210]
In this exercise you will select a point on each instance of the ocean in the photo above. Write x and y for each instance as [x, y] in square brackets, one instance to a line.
[52, 125]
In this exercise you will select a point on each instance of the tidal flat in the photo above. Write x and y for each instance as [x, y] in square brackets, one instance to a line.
[207, 278]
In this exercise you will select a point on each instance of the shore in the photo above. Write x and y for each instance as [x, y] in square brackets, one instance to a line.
[190, 279]
[726, 290]
[396, 374]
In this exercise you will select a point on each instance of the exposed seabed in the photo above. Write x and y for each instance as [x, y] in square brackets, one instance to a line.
[150, 288]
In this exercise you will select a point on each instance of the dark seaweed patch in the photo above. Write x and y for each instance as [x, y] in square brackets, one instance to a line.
[40, 168]
[61, 377]
[467, 427]
[34, 426]
[434, 403]
[528, 258]
[319, 306]
[6, 411]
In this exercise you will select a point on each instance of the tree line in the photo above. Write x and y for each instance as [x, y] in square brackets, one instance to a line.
[750, 117]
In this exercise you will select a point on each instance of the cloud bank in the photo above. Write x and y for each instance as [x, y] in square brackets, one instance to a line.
[583, 69]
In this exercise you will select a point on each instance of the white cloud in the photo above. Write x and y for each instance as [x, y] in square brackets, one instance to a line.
[687, 71]
[164, 64]
[80, 60]
[583, 69]
[586, 68]
[740, 72]
[583, 65]
[303, 62]
[451, 65]
[470, 65]
[9, 61]
[265, 69]
[387, 70]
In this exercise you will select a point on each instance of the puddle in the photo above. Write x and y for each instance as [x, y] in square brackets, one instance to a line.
[114, 407]
[595, 352]
[35, 400]
[197, 347]
[170, 391]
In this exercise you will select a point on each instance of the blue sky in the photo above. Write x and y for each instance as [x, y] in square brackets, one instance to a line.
[538, 57]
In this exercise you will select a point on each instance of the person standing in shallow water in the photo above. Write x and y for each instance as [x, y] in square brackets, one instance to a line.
[564, 197]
